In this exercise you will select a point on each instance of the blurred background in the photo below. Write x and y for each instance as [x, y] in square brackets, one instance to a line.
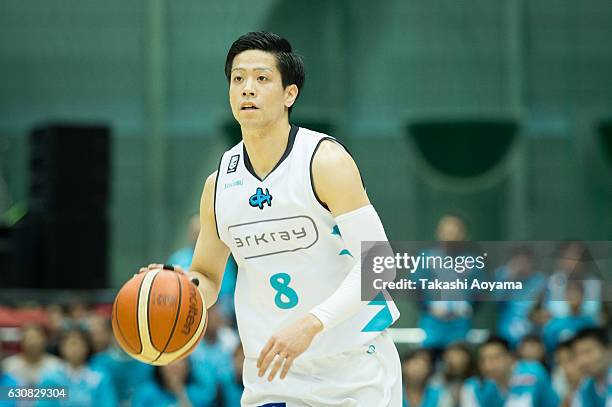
[113, 113]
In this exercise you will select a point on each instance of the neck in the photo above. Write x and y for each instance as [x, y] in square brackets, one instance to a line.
[33, 358]
[505, 381]
[266, 145]
[415, 388]
[601, 377]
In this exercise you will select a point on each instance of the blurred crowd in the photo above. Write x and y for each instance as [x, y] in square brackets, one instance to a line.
[75, 348]
[549, 347]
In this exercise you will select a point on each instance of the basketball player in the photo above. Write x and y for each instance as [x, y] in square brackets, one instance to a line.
[289, 204]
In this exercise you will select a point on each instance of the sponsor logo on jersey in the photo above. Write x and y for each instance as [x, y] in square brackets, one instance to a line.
[259, 198]
[274, 236]
[233, 164]
[233, 184]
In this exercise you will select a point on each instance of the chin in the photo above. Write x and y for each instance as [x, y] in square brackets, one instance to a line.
[251, 124]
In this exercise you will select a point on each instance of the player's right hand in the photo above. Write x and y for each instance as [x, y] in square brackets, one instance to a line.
[156, 266]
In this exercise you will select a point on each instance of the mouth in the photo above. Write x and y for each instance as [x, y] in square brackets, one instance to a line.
[248, 106]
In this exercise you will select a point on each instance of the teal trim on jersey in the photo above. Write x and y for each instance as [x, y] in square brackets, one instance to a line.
[344, 252]
[336, 231]
[383, 319]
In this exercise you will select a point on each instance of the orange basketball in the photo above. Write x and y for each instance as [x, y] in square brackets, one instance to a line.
[159, 316]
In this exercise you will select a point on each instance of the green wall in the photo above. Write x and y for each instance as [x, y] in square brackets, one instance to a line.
[153, 70]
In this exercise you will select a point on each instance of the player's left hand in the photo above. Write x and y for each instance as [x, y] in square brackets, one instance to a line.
[288, 343]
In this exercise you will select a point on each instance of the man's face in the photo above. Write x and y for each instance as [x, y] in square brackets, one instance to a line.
[417, 369]
[74, 349]
[532, 350]
[564, 358]
[256, 92]
[451, 229]
[33, 341]
[495, 362]
[591, 357]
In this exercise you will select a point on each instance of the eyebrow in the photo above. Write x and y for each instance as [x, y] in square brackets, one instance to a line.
[254, 69]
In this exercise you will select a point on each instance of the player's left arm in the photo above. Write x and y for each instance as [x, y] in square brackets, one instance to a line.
[338, 184]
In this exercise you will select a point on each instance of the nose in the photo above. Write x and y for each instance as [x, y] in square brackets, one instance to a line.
[248, 89]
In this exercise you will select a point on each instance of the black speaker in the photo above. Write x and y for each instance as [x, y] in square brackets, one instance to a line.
[64, 237]
[69, 168]
[7, 257]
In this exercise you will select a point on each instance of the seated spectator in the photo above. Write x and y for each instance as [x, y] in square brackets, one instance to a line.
[417, 368]
[78, 313]
[212, 358]
[514, 311]
[573, 263]
[231, 383]
[519, 383]
[126, 373]
[562, 328]
[27, 365]
[445, 318]
[591, 348]
[184, 256]
[457, 367]
[57, 321]
[6, 380]
[174, 384]
[532, 348]
[101, 332]
[86, 386]
[566, 375]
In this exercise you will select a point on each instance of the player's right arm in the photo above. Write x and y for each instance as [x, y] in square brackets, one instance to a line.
[210, 255]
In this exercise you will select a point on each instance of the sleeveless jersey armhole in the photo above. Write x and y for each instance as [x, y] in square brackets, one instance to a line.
[215, 195]
[312, 187]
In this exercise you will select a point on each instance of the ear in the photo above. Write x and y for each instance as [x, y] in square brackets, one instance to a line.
[291, 93]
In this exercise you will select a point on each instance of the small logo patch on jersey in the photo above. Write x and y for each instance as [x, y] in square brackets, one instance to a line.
[258, 199]
[233, 184]
[233, 164]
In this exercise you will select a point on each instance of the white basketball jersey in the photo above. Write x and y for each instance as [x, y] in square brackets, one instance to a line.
[289, 251]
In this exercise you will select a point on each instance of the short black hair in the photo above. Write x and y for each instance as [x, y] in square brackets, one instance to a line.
[289, 64]
[84, 334]
[598, 334]
[566, 344]
[416, 353]
[497, 340]
[531, 338]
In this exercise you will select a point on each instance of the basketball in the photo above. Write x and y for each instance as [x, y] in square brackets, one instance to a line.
[159, 316]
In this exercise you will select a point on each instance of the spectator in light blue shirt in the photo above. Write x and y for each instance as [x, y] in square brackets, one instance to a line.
[6, 380]
[594, 358]
[562, 328]
[419, 391]
[85, 386]
[231, 380]
[184, 256]
[446, 317]
[126, 373]
[574, 263]
[174, 384]
[519, 383]
[513, 322]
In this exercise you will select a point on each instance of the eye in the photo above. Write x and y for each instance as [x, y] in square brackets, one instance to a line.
[262, 78]
[237, 78]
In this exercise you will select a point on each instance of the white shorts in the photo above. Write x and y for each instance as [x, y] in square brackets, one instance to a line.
[370, 376]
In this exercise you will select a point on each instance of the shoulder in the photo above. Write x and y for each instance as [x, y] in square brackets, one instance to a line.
[331, 155]
[209, 186]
